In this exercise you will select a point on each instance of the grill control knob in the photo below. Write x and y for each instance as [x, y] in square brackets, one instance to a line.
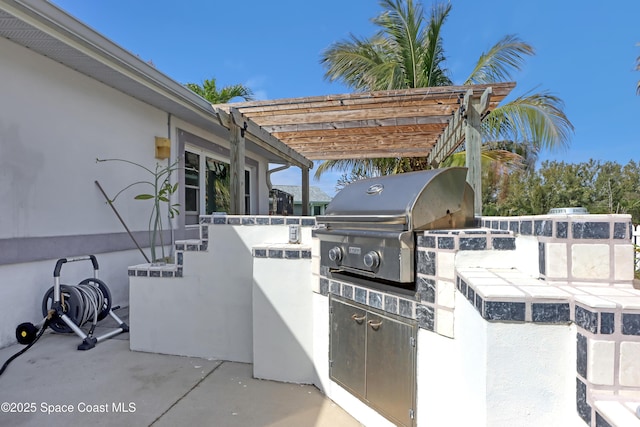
[372, 259]
[335, 254]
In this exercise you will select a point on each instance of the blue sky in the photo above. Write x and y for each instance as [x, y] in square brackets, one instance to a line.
[585, 53]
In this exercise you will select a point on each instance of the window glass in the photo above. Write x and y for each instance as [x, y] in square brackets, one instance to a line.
[209, 191]
[192, 182]
[218, 196]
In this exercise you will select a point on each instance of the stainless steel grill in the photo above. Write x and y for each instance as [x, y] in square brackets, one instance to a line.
[371, 224]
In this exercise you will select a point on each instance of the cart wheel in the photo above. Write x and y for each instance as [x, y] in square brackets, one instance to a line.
[71, 307]
[106, 308]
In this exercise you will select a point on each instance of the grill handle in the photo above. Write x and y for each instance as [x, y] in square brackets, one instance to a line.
[358, 319]
[374, 325]
[380, 219]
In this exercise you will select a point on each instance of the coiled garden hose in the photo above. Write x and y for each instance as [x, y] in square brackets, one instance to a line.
[92, 303]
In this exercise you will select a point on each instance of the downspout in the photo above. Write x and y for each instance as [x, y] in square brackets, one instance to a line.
[278, 169]
[171, 250]
[269, 172]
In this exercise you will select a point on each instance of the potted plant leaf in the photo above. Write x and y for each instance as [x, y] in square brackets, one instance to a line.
[160, 192]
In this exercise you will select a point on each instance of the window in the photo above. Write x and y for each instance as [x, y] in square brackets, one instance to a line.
[192, 187]
[207, 185]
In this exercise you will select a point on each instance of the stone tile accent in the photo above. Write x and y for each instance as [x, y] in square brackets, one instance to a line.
[446, 294]
[583, 265]
[623, 261]
[556, 261]
[425, 317]
[601, 362]
[250, 220]
[375, 299]
[282, 251]
[584, 409]
[630, 364]
[445, 322]
[579, 233]
[582, 351]
[150, 270]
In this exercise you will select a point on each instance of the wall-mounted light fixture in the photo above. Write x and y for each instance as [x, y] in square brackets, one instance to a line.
[163, 148]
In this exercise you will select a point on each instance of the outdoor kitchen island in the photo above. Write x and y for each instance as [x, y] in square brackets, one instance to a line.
[525, 321]
[520, 321]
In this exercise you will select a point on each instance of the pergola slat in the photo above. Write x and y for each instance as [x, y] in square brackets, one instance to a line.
[421, 122]
[384, 114]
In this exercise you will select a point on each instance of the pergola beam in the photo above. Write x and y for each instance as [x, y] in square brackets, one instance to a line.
[240, 128]
[262, 138]
[449, 140]
[237, 160]
[363, 125]
[465, 126]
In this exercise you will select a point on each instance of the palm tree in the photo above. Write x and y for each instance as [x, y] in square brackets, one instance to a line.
[210, 92]
[407, 52]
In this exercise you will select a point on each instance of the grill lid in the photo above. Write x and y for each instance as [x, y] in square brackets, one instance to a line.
[437, 198]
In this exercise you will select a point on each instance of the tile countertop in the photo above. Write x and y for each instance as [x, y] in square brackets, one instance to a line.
[510, 285]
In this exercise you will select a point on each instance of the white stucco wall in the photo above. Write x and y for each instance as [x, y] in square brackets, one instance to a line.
[57, 123]
[497, 374]
[54, 123]
[452, 383]
[208, 312]
[282, 320]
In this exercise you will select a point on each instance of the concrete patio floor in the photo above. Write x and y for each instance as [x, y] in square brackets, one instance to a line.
[124, 387]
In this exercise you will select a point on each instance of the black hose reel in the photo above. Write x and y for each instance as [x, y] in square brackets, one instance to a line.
[77, 303]
[69, 307]
[66, 308]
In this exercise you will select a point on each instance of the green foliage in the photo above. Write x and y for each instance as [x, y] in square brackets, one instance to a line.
[408, 52]
[162, 190]
[601, 187]
[209, 91]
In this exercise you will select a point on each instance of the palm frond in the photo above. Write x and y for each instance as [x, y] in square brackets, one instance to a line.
[362, 167]
[401, 25]
[209, 91]
[536, 118]
[507, 159]
[359, 63]
[434, 72]
[497, 64]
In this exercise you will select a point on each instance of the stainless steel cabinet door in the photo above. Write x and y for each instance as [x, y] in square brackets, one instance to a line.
[348, 346]
[390, 372]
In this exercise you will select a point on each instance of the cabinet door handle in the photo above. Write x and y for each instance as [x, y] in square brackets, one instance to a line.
[358, 319]
[374, 325]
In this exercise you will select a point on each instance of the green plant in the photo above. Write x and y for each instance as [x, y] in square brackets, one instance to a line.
[162, 189]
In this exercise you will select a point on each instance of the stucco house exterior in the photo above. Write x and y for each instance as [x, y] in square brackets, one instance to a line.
[70, 96]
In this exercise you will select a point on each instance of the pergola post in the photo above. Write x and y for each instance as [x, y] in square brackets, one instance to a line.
[473, 141]
[305, 191]
[475, 108]
[236, 160]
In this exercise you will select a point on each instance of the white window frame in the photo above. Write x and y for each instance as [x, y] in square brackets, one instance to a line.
[203, 155]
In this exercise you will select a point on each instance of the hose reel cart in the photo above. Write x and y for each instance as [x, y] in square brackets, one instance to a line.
[67, 308]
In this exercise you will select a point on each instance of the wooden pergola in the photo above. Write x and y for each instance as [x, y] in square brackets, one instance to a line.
[425, 122]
